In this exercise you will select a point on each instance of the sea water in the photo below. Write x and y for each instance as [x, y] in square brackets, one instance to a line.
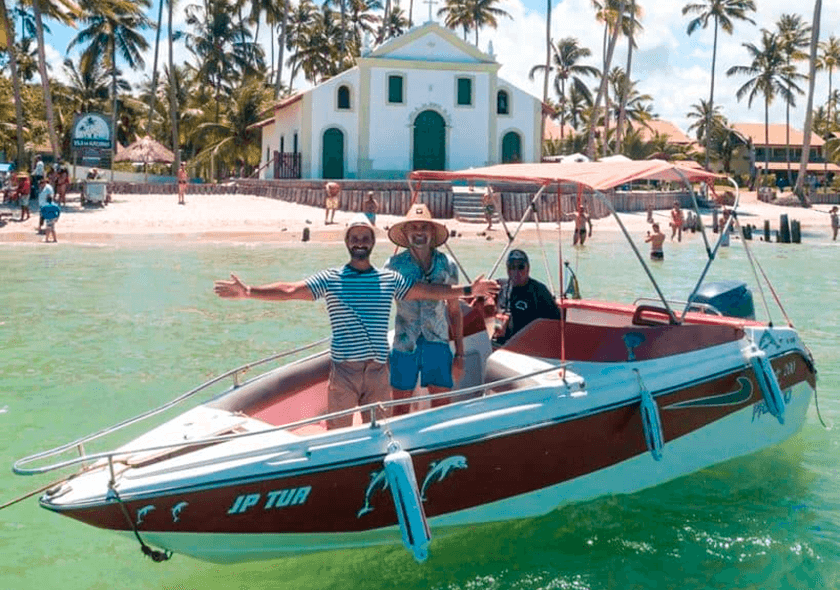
[91, 335]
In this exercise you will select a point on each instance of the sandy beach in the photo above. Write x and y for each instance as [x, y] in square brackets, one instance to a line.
[133, 218]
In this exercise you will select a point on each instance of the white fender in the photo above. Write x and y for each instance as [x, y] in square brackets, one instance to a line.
[652, 424]
[768, 383]
[403, 484]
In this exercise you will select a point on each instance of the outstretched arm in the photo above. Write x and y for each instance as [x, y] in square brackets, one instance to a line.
[480, 287]
[236, 289]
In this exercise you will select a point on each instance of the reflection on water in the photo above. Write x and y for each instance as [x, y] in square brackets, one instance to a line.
[93, 335]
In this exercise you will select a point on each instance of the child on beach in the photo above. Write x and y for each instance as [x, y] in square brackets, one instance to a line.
[333, 192]
[50, 213]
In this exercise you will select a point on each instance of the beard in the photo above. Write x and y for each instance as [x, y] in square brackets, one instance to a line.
[360, 253]
[418, 240]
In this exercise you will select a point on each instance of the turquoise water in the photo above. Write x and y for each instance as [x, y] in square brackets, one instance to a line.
[92, 335]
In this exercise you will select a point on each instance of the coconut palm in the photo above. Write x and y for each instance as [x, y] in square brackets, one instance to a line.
[472, 15]
[812, 69]
[223, 47]
[613, 17]
[363, 20]
[771, 75]
[87, 83]
[723, 14]
[65, 12]
[10, 41]
[565, 67]
[394, 23]
[113, 30]
[706, 120]
[301, 25]
[634, 27]
[233, 140]
[828, 59]
[794, 35]
[173, 99]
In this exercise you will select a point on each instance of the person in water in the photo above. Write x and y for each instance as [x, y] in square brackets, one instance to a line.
[422, 328]
[358, 297]
[656, 239]
[582, 219]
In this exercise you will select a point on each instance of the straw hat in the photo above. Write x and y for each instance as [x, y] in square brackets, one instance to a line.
[418, 212]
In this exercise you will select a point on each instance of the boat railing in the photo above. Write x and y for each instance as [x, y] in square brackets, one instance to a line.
[112, 456]
[235, 373]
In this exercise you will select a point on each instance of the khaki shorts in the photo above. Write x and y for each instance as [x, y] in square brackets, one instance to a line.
[332, 203]
[356, 383]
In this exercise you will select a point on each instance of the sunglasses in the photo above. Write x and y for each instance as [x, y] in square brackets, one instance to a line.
[517, 266]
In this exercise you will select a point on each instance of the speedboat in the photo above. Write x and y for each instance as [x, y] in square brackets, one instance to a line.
[611, 398]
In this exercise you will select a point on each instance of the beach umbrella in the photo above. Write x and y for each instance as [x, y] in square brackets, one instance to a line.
[145, 151]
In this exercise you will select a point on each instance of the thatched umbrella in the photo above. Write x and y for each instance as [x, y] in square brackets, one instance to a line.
[145, 151]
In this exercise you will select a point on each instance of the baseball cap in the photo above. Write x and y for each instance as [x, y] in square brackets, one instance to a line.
[517, 255]
[360, 220]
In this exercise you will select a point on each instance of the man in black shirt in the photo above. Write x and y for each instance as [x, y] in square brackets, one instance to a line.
[521, 299]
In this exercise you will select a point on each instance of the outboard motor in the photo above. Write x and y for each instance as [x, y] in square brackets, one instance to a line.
[731, 298]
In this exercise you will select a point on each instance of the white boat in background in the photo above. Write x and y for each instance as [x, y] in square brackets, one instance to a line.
[612, 398]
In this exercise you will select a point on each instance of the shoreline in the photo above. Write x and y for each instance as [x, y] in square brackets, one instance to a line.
[236, 218]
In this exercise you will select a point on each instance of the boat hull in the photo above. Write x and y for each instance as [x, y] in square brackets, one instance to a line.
[501, 468]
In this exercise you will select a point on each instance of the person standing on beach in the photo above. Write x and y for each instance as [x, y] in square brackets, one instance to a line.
[182, 183]
[421, 328]
[358, 297]
[835, 223]
[676, 221]
[50, 213]
[61, 184]
[37, 175]
[370, 207]
[331, 202]
[582, 219]
[656, 239]
[45, 192]
[488, 200]
[24, 192]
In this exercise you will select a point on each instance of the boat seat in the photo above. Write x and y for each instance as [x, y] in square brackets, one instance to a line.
[504, 365]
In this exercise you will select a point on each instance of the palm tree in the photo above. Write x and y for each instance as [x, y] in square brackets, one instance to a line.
[63, 11]
[10, 42]
[723, 13]
[794, 35]
[614, 21]
[233, 139]
[394, 23]
[828, 59]
[771, 76]
[566, 55]
[472, 15]
[113, 29]
[806, 140]
[173, 99]
[87, 84]
[707, 120]
[363, 20]
[221, 45]
[634, 26]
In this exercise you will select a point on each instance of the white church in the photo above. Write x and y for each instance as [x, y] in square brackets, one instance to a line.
[425, 100]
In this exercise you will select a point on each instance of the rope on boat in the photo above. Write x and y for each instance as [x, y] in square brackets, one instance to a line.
[754, 264]
[154, 554]
[650, 419]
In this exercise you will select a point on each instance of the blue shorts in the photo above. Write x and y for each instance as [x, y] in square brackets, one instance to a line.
[433, 360]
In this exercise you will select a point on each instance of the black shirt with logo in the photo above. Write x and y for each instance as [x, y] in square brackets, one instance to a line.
[525, 304]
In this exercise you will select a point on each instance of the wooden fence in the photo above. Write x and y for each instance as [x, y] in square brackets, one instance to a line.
[395, 197]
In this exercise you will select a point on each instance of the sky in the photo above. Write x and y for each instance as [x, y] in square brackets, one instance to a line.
[671, 66]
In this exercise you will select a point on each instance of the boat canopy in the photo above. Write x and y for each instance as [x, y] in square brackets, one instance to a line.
[598, 176]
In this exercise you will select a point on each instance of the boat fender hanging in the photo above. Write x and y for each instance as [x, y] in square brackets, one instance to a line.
[768, 383]
[403, 485]
[651, 423]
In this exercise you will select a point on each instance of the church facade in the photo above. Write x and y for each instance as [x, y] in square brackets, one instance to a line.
[425, 100]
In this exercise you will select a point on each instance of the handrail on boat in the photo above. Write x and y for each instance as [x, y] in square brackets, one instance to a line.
[162, 408]
[19, 468]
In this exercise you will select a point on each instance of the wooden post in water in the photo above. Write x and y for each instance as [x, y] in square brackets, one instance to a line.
[784, 229]
[766, 230]
[795, 231]
[714, 220]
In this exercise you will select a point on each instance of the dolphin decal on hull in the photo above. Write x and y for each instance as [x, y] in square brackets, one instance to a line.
[732, 398]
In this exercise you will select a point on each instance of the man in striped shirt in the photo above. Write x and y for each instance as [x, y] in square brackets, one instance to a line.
[358, 297]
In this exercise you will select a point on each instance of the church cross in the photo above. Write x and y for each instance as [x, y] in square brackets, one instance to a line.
[430, 3]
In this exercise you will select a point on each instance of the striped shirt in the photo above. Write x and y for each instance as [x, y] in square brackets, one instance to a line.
[359, 307]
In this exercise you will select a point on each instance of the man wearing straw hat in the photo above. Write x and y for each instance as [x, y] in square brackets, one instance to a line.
[421, 330]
